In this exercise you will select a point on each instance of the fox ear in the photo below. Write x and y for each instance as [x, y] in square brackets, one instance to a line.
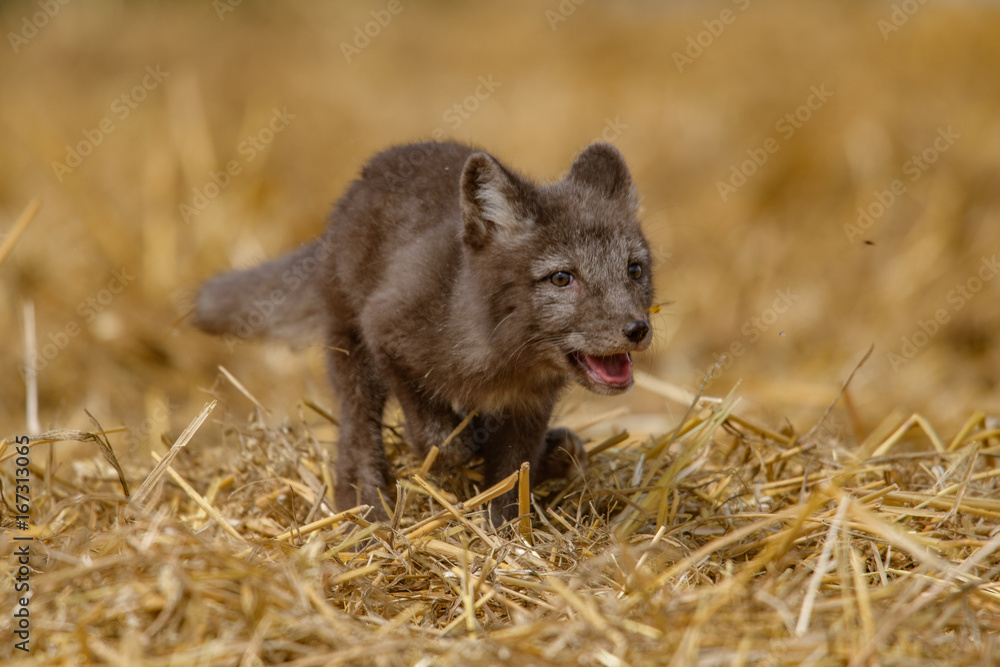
[493, 201]
[600, 166]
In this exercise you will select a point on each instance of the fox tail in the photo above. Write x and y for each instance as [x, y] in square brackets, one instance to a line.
[278, 300]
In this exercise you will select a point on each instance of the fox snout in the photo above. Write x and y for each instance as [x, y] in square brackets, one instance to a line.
[636, 331]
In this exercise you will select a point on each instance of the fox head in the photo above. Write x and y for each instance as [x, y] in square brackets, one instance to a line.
[565, 270]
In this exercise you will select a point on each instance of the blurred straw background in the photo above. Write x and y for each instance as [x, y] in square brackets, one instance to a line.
[817, 178]
[555, 85]
[606, 69]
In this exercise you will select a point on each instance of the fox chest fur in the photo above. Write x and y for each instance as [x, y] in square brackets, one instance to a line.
[458, 286]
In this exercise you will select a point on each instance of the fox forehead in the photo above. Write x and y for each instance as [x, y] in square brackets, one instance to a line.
[591, 230]
[568, 212]
[596, 252]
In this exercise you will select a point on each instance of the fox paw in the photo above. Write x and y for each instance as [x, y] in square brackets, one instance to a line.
[457, 453]
[564, 456]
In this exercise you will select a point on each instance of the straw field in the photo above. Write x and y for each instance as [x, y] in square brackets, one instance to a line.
[805, 473]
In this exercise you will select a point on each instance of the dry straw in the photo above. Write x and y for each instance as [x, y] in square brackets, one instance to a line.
[721, 543]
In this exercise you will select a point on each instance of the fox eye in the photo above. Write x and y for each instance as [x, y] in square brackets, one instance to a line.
[561, 278]
[635, 270]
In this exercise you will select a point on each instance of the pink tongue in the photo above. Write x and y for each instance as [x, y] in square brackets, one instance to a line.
[614, 370]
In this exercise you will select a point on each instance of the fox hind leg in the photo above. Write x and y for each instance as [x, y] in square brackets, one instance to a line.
[362, 469]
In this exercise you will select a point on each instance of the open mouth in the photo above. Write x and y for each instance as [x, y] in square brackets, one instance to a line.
[613, 371]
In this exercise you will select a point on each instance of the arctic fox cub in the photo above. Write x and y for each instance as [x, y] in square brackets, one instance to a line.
[455, 284]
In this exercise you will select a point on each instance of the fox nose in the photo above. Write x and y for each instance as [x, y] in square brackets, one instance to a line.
[636, 330]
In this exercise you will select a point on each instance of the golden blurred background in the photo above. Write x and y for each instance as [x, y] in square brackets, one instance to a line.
[816, 177]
